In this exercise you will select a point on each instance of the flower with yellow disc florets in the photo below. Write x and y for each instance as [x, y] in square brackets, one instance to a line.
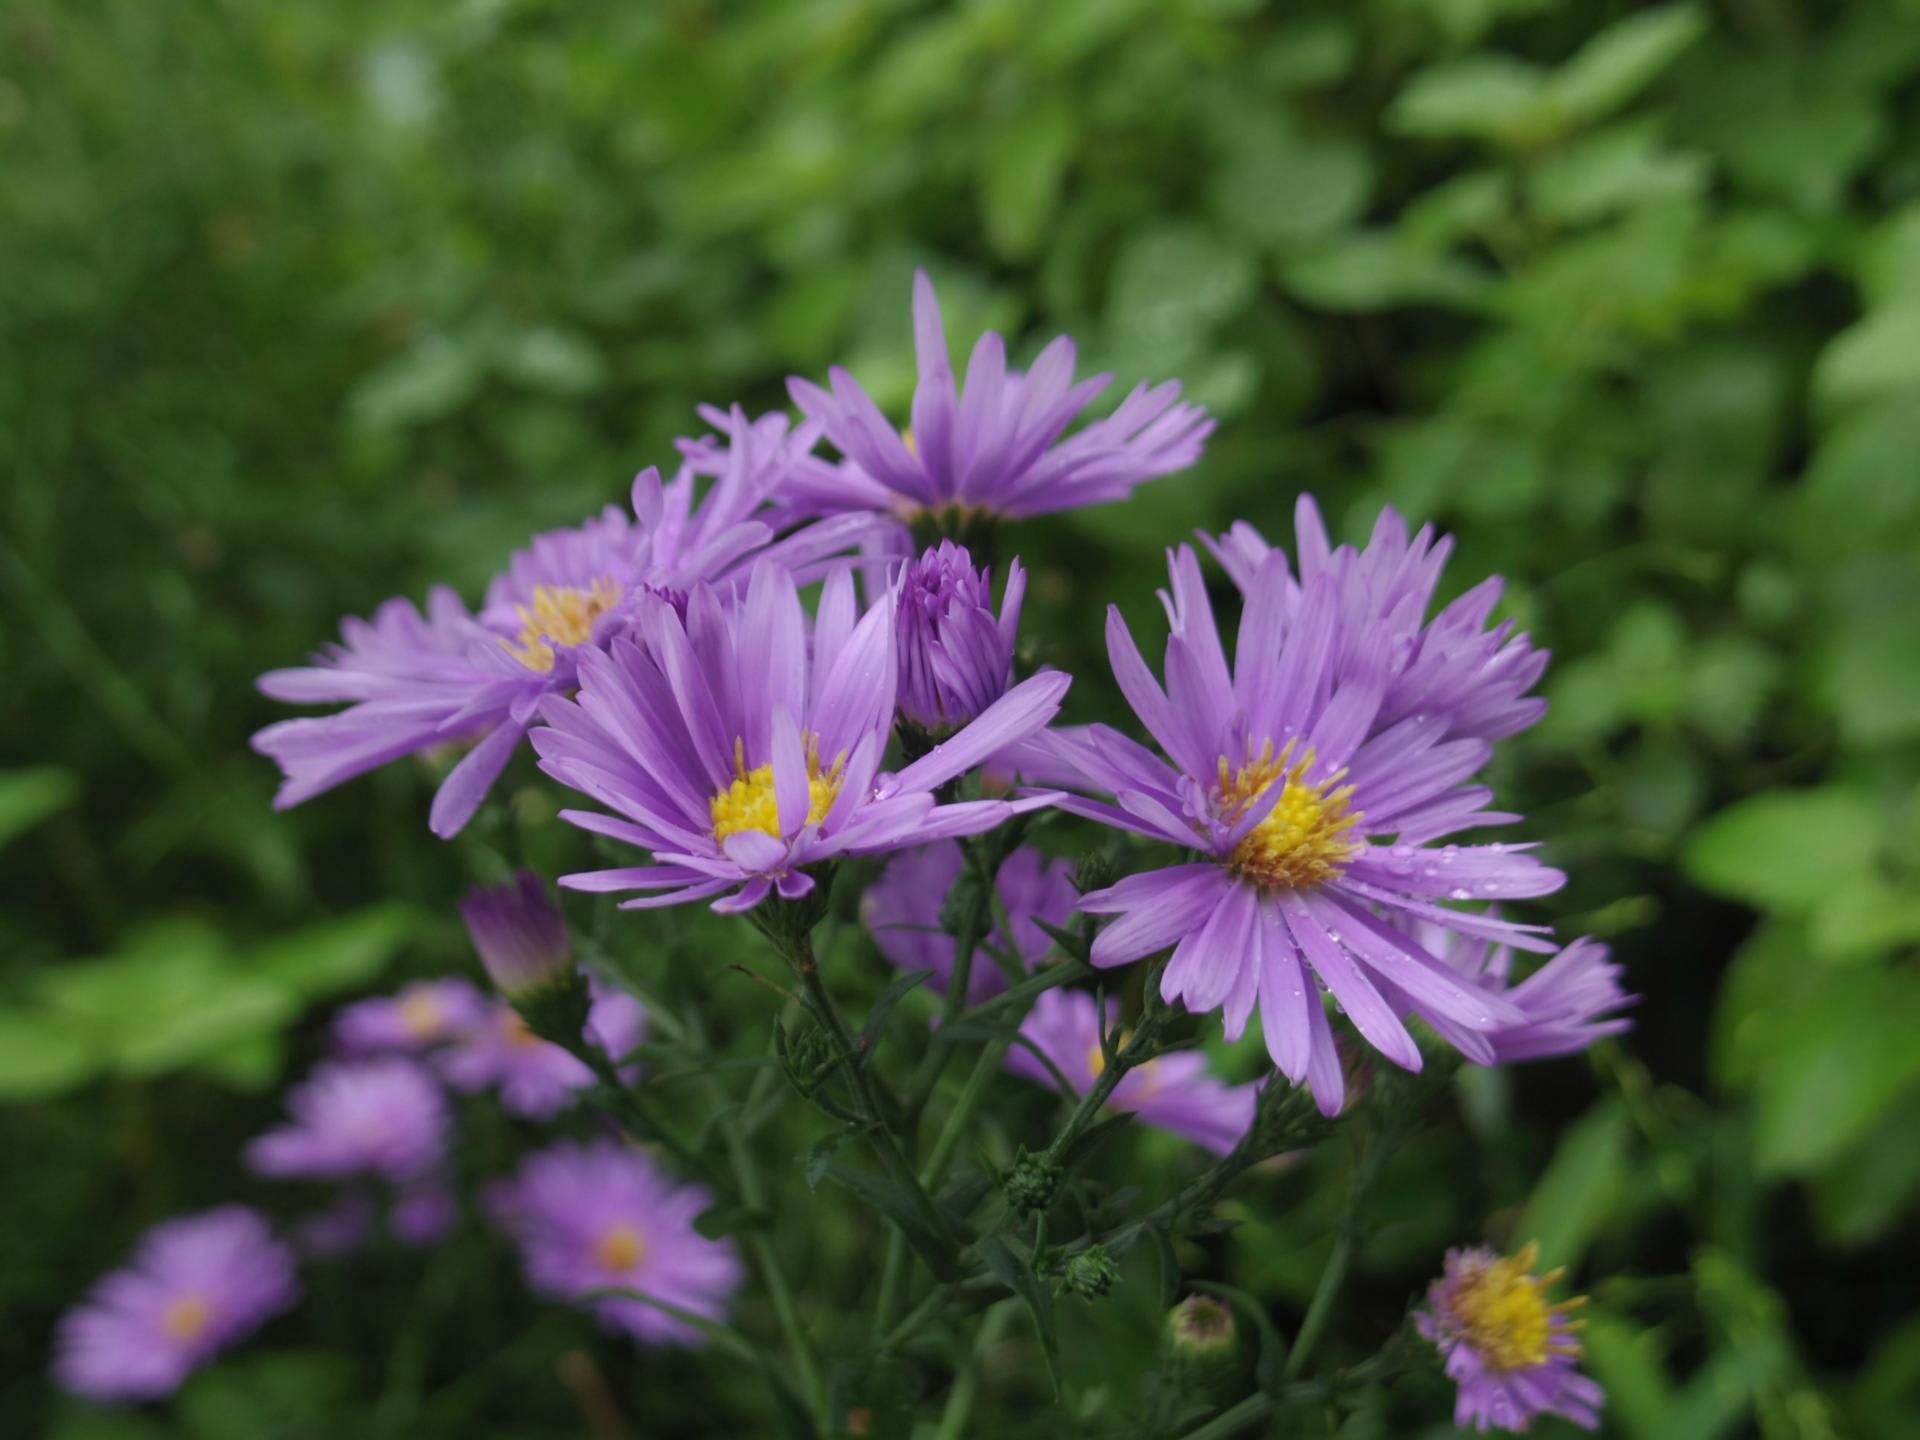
[1510, 1349]
[1314, 825]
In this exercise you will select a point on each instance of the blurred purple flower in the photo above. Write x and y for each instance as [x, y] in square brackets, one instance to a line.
[994, 448]
[1282, 780]
[1173, 1092]
[536, 1079]
[1565, 1005]
[195, 1285]
[413, 682]
[1510, 1352]
[383, 1116]
[902, 909]
[1469, 679]
[518, 933]
[416, 1017]
[955, 658]
[739, 755]
[601, 1216]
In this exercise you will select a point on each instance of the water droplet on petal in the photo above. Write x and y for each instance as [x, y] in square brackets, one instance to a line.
[1460, 892]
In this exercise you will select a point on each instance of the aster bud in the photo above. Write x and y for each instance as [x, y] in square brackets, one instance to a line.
[1096, 870]
[522, 942]
[1200, 1346]
[1030, 1182]
[1090, 1274]
[955, 657]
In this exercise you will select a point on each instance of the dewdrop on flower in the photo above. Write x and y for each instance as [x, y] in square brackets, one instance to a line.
[1510, 1350]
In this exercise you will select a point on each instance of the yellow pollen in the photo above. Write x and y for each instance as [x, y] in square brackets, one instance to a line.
[1503, 1310]
[1303, 841]
[749, 803]
[621, 1248]
[420, 1013]
[561, 614]
[186, 1317]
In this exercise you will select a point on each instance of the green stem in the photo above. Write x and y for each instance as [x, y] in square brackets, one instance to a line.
[885, 1146]
[966, 1386]
[1321, 1306]
[973, 929]
[1235, 1421]
[767, 1260]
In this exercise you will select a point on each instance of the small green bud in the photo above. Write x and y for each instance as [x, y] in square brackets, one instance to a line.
[1089, 1274]
[807, 1055]
[1095, 870]
[1030, 1183]
[1201, 1347]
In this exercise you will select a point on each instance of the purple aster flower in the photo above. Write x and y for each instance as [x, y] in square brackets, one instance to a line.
[739, 754]
[994, 448]
[195, 1286]
[422, 1211]
[1173, 1092]
[902, 909]
[602, 1216]
[1466, 677]
[343, 1228]
[414, 682]
[1511, 1353]
[383, 1116]
[417, 1017]
[1565, 1005]
[537, 1079]
[955, 657]
[1314, 825]
[519, 934]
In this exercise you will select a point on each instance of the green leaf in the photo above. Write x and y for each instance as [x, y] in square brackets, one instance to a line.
[279, 1395]
[1021, 167]
[895, 992]
[1484, 97]
[433, 379]
[1869, 676]
[1172, 285]
[1863, 1197]
[29, 796]
[892, 1201]
[1613, 170]
[1018, 1277]
[1847, 1057]
[1785, 849]
[1577, 1194]
[1626, 57]
[337, 955]
[1630, 1363]
[1374, 270]
[1291, 189]
[1874, 357]
[552, 360]
[41, 1057]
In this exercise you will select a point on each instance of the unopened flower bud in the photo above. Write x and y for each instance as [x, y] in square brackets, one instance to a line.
[1089, 1274]
[519, 935]
[1201, 1346]
[955, 657]
[1030, 1183]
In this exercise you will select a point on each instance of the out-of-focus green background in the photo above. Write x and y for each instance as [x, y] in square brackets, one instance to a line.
[305, 305]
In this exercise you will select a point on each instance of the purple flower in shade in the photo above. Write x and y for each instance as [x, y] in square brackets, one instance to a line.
[1470, 679]
[994, 449]
[1565, 1005]
[341, 1229]
[417, 1017]
[739, 754]
[518, 933]
[601, 1216]
[1314, 826]
[412, 682]
[1510, 1352]
[1173, 1092]
[422, 1211]
[537, 1079]
[902, 909]
[383, 1116]
[955, 657]
[195, 1286]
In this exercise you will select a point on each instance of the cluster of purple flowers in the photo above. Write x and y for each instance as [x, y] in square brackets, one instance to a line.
[1313, 777]
[374, 1122]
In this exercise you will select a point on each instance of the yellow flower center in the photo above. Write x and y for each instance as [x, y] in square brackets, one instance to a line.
[420, 1014]
[1303, 840]
[621, 1248]
[561, 614]
[186, 1317]
[749, 802]
[1147, 1070]
[1503, 1310]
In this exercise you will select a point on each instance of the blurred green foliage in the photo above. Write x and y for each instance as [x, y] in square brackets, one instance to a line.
[307, 305]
